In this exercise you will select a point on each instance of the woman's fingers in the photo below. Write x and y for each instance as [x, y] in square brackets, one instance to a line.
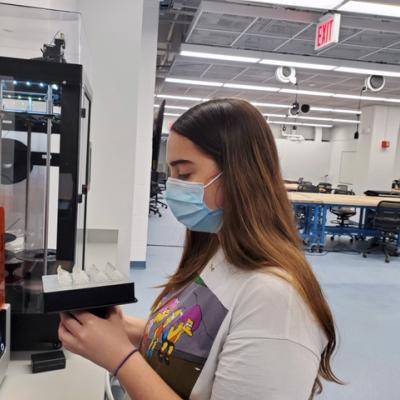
[84, 317]
[66, 337]
[71, 324]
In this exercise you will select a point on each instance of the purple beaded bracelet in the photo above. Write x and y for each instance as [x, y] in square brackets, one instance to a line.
[131, 353]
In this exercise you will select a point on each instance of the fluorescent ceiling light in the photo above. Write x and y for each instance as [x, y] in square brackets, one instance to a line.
[251, 87]
[173, 107]
[376, 8]
[193, 82]
[368, 98]
[272, 105]
[224, 57]
[367, 71]
[298, 64]
[335, 110]
[348, 121]
[306, 92]
[299, 124]
[282, 90]
[323, 4]
[275, 115]
[172, 114]
[173, 97]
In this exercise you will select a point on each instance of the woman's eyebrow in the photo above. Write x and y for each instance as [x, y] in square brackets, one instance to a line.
[179, 162]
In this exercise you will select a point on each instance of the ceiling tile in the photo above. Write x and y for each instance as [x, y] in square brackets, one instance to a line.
[168, 88]
[374, 39]
[223, 22]
[276, 28]
[264, 43]
[255, 75]
[385, 56]
[298, 46]
[188, 69]
[213, 38]
[346, 52]
[223, 72]
[202, 92]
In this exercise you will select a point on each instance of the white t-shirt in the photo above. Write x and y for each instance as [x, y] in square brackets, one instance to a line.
[234, 334]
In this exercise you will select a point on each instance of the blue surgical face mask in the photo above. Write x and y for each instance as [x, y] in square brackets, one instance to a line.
[186, 200]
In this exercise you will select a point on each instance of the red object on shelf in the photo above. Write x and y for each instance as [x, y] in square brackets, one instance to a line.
[2, 258]
[385, 144]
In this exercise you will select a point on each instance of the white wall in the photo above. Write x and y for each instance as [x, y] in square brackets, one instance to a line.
[308, 159]
[114, 37]
[67, 5]
[144, 130]
[342, 141]
[374, 166]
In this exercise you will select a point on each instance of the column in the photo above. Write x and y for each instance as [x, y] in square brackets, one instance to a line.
[374, 165]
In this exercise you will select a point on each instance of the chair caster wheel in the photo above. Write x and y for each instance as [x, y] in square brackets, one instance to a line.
[321, 250]
[332, 238]
[351, 240]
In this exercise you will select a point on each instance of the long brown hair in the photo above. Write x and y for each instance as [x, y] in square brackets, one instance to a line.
[258, 231]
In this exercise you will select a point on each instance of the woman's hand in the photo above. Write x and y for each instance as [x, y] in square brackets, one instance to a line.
[103, 341]
[134, 326]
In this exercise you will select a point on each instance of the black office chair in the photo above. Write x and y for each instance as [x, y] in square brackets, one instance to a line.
[387, 222]
[342, 187]
[324, 187]
[343, 215]
[307, 187]
[157, 186]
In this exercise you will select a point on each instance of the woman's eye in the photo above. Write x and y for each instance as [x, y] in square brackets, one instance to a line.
[183, 176]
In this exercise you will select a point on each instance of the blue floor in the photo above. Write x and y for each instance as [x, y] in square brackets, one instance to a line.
[364, 295]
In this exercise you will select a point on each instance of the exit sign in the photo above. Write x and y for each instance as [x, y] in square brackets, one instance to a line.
[328, 29]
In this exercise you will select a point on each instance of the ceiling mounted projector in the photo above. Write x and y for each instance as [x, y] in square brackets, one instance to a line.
[375, 83]
[286, 75]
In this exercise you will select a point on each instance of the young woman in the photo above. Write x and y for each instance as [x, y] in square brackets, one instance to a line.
[243, 317]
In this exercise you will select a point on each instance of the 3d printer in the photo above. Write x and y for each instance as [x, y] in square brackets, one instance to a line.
[44, 159]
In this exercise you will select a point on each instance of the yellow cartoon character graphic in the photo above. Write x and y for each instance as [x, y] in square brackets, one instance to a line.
[187, 324]
[163, 318]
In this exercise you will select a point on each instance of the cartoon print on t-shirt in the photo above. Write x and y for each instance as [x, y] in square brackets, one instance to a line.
[179, 335]
[188, 323]
[165, 312]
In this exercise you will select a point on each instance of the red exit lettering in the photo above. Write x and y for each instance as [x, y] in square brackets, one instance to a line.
[325, 33]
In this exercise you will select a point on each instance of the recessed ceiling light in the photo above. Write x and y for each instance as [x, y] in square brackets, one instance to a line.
[251, 87]
[224, 57]
[298, 64]
[193, 82]
[172, 115]
[377, 8]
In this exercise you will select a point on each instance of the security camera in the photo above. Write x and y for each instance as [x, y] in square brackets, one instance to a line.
[295, 108]
[375, 83]
[286, 75]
